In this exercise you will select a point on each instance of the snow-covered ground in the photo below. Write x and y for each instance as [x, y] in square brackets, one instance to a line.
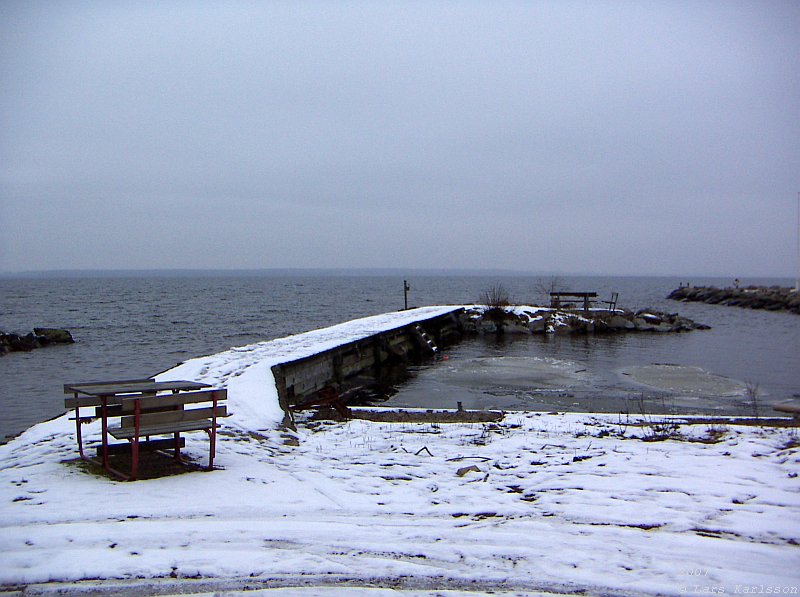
[539, 503]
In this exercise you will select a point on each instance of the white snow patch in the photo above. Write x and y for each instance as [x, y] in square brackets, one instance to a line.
[558, 502]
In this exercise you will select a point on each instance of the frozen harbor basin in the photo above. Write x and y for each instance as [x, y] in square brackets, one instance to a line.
[685, 380]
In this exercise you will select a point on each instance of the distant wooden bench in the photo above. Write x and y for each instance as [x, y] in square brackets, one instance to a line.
[557, 297]
[146, 408]
[792, 408]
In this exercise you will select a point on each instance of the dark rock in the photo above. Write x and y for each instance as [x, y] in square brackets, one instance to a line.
[10, 342]
[618, 322]
[54, 335]
[25, 343]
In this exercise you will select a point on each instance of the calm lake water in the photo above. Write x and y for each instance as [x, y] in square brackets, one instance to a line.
[139, 326]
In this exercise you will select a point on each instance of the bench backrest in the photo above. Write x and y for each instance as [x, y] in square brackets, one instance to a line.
[576, 294]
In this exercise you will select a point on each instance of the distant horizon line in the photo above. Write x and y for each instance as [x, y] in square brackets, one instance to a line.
[333, 271]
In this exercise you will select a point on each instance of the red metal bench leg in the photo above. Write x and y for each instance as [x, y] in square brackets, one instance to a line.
[104, 417]
[212, 433]
[135, 443]
[78, 430]
[212, 448]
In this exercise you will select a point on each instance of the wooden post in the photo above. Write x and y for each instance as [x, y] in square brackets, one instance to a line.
[406, 288]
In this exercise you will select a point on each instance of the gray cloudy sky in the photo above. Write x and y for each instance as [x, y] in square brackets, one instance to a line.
[599, 137]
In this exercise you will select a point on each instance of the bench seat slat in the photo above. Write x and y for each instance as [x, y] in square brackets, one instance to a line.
[167, 428]
[144, 446]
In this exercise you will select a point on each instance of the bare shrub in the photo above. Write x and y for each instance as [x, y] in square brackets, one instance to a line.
[715, 433]
[752, 396]
[495, 297]
[544, 286]
[657, 428]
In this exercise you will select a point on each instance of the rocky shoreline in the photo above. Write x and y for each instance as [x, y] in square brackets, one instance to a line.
[770, 298]
[38, 338]
[542, 320]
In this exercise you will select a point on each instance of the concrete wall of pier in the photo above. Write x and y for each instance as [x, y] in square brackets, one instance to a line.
[361, 363]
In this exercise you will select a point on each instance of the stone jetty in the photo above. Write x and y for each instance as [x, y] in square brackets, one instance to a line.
[543, 320]
[770, 298]
[38, 338]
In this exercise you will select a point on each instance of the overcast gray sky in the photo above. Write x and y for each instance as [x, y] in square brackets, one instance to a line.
[574, 137]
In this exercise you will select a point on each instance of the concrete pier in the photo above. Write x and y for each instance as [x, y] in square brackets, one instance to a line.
[363, 362]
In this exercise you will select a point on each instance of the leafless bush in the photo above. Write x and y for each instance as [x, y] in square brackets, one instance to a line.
[544, 287]
[495, 297]
[715, 433]
[751, 394]
[657, 428]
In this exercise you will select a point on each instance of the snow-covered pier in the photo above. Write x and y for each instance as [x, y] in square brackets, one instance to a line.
[362, 361]
[279, 374]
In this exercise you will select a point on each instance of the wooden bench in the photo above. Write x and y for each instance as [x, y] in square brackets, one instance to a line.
[556, 297]
[146, 408]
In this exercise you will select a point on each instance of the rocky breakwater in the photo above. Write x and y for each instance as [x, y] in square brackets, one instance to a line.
[39, 337]
[543, 320]
[771, 298]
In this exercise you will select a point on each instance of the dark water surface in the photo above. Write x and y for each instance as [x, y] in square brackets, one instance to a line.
[131, 327]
